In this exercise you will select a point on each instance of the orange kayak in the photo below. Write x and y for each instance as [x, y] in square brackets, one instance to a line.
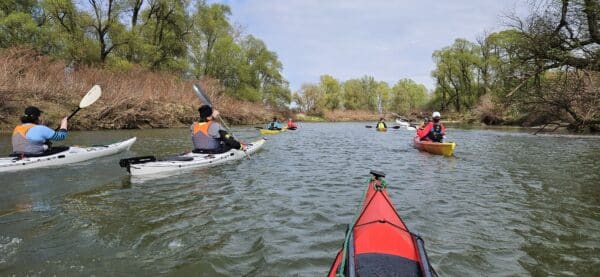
[378, 243]
[438, 148]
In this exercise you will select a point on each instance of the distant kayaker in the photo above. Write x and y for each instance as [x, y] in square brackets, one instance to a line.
[274, 125]
[425, 122]
[435, 130]
[421, 127]
[381, 124]
[207, 135]
[291, 125]
[32, 138]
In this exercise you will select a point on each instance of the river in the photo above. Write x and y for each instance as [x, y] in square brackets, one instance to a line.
[507, 203]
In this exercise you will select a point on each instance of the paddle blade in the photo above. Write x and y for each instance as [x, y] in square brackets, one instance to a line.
[396, 127]
[368, 126]
[91, 97]
[200, 93]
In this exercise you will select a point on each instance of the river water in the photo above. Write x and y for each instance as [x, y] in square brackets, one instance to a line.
[507, 203]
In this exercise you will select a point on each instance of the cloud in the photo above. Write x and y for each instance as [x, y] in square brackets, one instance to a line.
[388, 40]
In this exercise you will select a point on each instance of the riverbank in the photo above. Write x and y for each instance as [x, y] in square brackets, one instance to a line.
[132, 99]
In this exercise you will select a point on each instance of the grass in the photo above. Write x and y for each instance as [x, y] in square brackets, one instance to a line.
[136, 98]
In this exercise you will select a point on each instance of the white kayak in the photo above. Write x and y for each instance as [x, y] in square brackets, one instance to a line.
[74, 154]
[405, 125]
[149, 165]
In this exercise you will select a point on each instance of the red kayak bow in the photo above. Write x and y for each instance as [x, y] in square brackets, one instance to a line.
[378, 243]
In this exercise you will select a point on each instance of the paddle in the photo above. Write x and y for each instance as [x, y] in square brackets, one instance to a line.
[90, 97]
[393, 127]
[204, 99]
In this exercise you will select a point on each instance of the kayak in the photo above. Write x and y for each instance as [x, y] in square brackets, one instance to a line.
[271, 132]
[438, 148]
[381, 129]
[378, 243]
[149, 165]
[73, 154]
[405, 125]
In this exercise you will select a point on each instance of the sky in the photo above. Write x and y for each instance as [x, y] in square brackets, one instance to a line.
[388, 40]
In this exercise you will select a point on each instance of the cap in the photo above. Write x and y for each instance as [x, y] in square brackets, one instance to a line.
[205, 111]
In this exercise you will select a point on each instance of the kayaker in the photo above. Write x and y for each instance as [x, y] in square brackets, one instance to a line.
[32, 138]
[421, 127]
[381, 124]
[274, 125]
[291, 125]
[208, 137]
[425, 122]
[435, 130]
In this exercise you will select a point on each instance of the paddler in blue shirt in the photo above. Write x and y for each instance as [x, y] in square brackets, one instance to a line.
[208, 137]
[32, 138]
[274, 125]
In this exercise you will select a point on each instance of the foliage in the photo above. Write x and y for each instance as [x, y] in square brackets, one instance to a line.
[533, 70]
[185, 37]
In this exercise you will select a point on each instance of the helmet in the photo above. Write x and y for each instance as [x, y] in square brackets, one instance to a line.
[436, 114]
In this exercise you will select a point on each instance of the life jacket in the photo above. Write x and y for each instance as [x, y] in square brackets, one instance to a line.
[291, 124]
[22, 145]
[435, 133]
[200, 137]
[380, 125]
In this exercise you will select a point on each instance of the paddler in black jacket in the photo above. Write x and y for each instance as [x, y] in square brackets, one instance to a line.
[208, 137]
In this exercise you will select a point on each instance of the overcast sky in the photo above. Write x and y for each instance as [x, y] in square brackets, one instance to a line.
[388, 40]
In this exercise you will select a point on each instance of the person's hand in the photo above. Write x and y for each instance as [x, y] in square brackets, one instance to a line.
[215, 113]
[244, 147]
[63, 123]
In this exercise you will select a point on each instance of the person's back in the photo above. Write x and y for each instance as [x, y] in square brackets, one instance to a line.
[381, 124]
[31, 138]
[291, 124]
[207, 135]
[274, 125]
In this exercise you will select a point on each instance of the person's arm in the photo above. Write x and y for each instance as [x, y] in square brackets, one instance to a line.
[43, 133]
[426, 131]
[215, 131]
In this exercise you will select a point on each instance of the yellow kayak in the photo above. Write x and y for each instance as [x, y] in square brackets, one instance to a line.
[271, 132]
[438, 148]
[382, 129]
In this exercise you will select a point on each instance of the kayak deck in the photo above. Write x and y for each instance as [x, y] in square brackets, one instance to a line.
[74, 154]
[379, 241]
[438, 148]
[271, 132]
[188, 161]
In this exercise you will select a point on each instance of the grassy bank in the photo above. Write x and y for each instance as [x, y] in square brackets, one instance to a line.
[135, 98]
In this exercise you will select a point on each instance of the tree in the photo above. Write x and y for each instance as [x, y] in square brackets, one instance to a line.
[333, 92]
[310, 99]
[105, 24]
[407, 96]
[454, 74]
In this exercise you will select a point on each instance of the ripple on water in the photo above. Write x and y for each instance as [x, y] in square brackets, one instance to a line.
[507, 203]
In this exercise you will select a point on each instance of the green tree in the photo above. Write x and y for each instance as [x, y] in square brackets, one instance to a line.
[333, 92]
[311, 99]
[407, 96]
[455, 74]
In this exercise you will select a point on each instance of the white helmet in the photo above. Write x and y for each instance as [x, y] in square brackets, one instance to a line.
[436, 114]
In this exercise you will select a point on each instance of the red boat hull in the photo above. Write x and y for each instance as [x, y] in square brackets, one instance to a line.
[381, 243]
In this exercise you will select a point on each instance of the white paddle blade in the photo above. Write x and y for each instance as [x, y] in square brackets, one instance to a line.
[200, 93]
[91, 96]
